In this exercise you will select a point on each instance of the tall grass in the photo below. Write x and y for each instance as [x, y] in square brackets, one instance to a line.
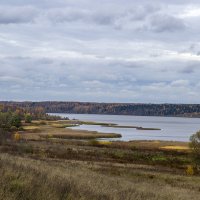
[24, 178]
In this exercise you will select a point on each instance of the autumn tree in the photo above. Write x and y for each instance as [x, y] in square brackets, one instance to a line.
[195, 146]
[28, 118]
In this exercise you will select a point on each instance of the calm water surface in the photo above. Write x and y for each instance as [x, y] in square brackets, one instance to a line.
[172, 128]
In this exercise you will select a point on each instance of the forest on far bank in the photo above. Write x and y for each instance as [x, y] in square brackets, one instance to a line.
[182, 110]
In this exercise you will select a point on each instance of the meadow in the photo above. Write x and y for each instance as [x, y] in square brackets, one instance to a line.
[49, 161]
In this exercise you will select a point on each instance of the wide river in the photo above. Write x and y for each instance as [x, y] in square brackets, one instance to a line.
[172, 128]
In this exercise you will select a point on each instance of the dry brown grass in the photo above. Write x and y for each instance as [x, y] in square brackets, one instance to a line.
[47, 167]
[25, 178]
[57, 169]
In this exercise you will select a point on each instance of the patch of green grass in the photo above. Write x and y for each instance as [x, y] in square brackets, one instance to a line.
[16, 186]
[159, 158]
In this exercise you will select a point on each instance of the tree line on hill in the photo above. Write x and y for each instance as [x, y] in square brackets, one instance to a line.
[26, 111]
[11, 118]
[183, 110]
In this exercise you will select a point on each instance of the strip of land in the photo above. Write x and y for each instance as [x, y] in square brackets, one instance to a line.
[57, 129]
[136, 127]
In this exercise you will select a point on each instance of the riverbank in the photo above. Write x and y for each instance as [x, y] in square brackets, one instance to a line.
[39, 130]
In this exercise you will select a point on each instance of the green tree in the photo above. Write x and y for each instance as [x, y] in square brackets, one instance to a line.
[195, 146]
[15, 120]
[5, 121]
[28, 118]
[5, 125]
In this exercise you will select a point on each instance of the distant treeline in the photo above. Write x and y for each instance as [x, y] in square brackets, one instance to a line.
[184, 110]
[24, 110]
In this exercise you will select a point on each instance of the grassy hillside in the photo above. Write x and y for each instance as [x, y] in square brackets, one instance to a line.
[41, 165]
[23, 178]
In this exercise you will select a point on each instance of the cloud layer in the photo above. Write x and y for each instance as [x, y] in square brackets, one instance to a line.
[105, 51]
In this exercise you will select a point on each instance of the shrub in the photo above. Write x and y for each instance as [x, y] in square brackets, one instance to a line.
[17, 136]
[5, 135]
[42, 122]
[13, 128]
[15, 120]
[7, 120]
[190, 170]
[49, 136]
[28, 118]
[195, 146]
[93, 143]
[20, 129]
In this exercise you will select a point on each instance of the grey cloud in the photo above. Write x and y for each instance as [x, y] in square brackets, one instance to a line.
[113, 16]
[141, 12]
[189, 69]
[194, 49]
[11, 79]
[66, 14]
[10, 14]
[100, 17]
[166, 23]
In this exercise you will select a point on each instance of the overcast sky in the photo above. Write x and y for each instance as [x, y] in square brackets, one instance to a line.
[100, 50]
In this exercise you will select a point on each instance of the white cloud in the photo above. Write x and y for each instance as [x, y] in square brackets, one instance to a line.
[191, 12]
[180, 83]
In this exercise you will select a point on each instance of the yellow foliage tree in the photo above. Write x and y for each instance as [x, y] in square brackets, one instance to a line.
[17, 136]
[190, 170]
